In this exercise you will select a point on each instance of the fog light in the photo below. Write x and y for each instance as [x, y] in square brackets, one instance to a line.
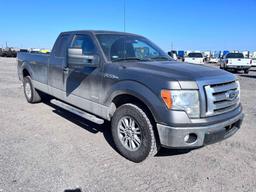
[190, 138]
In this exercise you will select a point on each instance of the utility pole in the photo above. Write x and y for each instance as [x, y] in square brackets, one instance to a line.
[124, 15]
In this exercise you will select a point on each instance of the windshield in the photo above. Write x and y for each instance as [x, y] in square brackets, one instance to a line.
[196, 55]
[118, 47]
[235, 55]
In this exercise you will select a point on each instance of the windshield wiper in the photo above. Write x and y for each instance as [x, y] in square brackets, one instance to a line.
[130, 59]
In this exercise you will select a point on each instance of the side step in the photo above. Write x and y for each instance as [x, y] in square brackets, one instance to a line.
[77, 111]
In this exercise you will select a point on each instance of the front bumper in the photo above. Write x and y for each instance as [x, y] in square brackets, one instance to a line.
[192, 137]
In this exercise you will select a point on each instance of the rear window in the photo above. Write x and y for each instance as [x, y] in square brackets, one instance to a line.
[234, 55]
[197, 55]
[61, 46]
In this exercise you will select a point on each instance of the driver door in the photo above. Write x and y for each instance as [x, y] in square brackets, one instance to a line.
[83, 82]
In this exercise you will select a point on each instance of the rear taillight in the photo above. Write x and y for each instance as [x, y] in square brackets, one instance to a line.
[226, 61]
[251, 61]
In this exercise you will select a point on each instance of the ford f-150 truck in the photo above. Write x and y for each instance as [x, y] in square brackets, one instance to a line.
[194, 57]
[150, 99]
[236, 61]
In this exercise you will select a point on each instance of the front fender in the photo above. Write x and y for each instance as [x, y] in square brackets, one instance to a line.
[140, 91]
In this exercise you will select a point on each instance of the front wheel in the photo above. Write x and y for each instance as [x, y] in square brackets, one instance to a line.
[133, 133]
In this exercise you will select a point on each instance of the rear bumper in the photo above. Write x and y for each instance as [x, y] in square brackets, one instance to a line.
[238, 67]
[177, 137]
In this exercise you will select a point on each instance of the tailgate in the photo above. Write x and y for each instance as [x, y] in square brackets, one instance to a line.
[239, 62]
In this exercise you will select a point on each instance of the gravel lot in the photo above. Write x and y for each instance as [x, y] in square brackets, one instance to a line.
[43, 148]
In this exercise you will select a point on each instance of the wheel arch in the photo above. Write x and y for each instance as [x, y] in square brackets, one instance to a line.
[136, 93]
[26, 70]
[124, 98]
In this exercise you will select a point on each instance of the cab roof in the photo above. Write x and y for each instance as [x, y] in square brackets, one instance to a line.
[98, 32]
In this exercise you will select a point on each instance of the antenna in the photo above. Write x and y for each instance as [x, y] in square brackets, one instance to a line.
[124, 15]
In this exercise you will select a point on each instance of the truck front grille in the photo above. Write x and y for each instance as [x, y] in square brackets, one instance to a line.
[222, 97]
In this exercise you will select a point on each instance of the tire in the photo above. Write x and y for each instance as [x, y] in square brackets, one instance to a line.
[120, 128]
[30, 92]
[246, 71]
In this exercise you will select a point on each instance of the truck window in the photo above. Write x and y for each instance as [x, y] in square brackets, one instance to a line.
[85, 43]
[234, 56]
[116, 46]
[61, 46]
[195, 55]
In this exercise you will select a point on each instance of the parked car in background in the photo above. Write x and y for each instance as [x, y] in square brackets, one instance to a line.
[34, 50]
[236, 61]
[194, 57]
[246, 54]
[207, 55]
[215, 57]
[173, 54]
[150, 99]
[253, 62]
[8, 52]
[45, 51]
[181, 55]
[23, 50]
[223, 53]
[254, 59]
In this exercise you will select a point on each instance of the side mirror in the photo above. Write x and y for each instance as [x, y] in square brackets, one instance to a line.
[76, 59]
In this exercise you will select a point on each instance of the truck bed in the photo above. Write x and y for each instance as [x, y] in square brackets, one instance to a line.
[38, 63]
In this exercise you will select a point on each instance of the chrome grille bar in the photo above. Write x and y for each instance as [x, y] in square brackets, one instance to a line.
[221, 98]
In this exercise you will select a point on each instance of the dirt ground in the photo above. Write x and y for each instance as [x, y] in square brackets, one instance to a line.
[43, 148]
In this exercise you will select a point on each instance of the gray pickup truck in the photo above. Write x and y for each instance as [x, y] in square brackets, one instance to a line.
[150, 99]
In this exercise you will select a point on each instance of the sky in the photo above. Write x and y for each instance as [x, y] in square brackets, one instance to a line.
[178, 24]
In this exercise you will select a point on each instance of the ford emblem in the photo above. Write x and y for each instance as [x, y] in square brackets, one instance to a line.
[231, 95]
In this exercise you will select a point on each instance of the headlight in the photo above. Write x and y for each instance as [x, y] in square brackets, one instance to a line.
[185, 100]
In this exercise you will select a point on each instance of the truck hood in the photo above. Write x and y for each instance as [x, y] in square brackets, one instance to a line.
[179, 71]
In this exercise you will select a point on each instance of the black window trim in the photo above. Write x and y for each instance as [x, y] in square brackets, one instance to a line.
[58, 40]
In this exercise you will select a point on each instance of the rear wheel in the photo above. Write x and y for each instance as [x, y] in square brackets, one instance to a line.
[133, 133]
[30, 92]
[246, 71]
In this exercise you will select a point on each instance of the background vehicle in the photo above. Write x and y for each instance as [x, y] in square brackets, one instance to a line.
[236, 61]
[8, 52]
[34, 50]
[246, 54]
[150, 99]
[181, 55]
[215, 57]
[195, 57]
[254, 59]
[173, 54]
[207, 55]
[224, 53]
[45, 51]
[23, 50]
